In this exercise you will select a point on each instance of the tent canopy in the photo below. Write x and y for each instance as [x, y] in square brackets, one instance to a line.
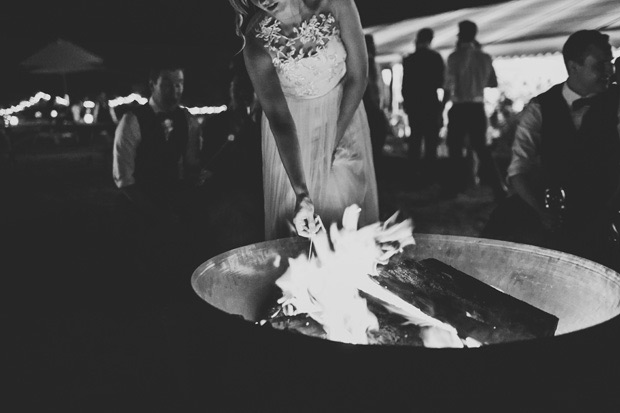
[62, 57]
[515, 28]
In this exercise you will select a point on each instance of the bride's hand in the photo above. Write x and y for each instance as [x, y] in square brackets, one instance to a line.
[304, 219]
[337, 153]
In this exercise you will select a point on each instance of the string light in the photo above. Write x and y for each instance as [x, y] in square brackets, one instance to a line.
[9, 113]
[134, 97]
[207, 110]
[88, 104]
[123, 100]
[61, 101]
[126, 100]
[24, 104]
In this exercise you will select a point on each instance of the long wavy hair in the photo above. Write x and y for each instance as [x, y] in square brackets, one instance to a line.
[244, 9]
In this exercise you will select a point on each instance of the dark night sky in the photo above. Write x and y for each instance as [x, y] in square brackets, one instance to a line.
[126, 32]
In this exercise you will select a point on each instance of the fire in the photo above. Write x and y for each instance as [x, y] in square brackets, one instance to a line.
[327, 286]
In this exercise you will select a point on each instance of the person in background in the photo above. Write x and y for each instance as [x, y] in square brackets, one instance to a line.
[7, 157]
[105, 115]
[309, 67]
[469, 71]
[565, 165]
[105, 121]
[423, 75]
[377, 119]
[76, 111]
[156, 161]
[232, 166]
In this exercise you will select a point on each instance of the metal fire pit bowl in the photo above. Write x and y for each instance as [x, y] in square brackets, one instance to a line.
[577, 367]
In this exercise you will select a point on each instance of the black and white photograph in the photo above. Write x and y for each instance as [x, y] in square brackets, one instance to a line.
[310, 206]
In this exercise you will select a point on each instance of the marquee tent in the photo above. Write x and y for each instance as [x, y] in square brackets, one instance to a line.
[525, 38]
[514, 28]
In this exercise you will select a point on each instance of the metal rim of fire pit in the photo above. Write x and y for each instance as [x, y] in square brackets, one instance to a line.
[582, 293]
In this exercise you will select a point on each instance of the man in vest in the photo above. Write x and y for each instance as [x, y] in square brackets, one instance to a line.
[565, 165]
[157, 149]
[156, 164]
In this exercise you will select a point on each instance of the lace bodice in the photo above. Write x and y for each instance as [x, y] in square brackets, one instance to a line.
[310, 62]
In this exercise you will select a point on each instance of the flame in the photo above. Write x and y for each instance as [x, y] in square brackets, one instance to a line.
[327, 286]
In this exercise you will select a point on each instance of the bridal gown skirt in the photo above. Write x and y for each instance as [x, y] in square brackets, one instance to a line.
[350, 179]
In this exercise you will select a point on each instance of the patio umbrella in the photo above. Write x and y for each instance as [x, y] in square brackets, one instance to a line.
[62, 57]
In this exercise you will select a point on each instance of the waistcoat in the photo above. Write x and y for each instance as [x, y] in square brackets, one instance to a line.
[585, 162]
[158, 165]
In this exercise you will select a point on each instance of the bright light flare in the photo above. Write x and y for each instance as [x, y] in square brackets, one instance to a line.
[327, 286]
[207, 110]
[61, 101]
[386, 75]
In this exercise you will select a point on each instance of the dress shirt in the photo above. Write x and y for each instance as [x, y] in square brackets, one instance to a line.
[469, 71]
[526, 145]
[127, 139]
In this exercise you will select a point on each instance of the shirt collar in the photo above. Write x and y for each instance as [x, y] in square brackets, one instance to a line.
[570, 96]
[156, 107]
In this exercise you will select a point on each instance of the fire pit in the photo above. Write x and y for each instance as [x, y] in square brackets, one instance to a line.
[274, 368]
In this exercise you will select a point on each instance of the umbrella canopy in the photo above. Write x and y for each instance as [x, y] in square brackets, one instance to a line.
[62, 57]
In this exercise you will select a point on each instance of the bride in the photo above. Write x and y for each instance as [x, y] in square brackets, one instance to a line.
[308, 65]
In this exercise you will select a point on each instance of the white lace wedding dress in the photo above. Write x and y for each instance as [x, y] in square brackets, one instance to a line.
[311, 81]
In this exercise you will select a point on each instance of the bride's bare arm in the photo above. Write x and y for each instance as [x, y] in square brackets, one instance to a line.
[356, 77]
[269, 92]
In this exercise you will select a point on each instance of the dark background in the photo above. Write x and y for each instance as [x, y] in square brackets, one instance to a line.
[126, 33]
[91, 320]
[82, 302]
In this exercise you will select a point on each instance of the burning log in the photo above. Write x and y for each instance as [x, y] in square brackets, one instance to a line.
[477, 310]
[358, 289]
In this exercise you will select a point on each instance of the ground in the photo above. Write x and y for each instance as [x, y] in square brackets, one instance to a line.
[81, 317]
